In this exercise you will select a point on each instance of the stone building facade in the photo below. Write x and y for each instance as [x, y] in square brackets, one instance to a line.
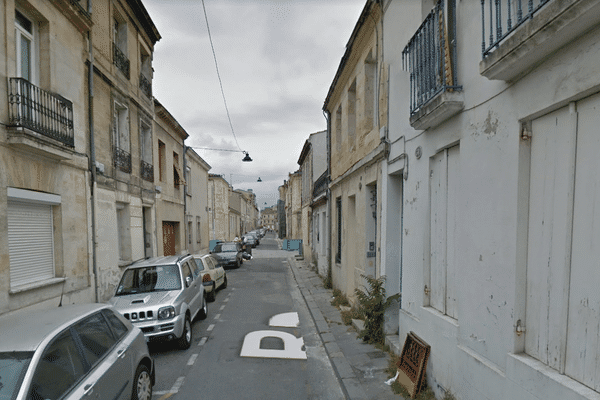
[196, 202]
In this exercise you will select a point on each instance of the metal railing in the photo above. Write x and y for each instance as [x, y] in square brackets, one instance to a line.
[40, 111]
[321, 185]
[430, 56]
[122, 160]
[147, 171]
[516, 12]
[120, 60]
[145, 86]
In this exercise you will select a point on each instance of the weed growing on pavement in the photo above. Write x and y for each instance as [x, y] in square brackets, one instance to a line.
[339, 299]
[348, 316]
[373, 303]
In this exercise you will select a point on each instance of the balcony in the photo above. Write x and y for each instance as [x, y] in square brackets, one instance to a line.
[145, 86]
[430, 57]
[518, 35]
[120, 60]
[38, 118]
[147, 171]
[122, 160]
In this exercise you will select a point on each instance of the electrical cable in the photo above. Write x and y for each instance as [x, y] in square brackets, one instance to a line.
[219, 76]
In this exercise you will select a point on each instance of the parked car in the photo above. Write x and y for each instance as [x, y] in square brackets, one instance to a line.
[162, 296]
[228, 254]
[212, 275]
[251, 239]
[71, 351]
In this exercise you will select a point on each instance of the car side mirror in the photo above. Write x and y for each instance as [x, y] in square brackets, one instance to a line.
[188, 281]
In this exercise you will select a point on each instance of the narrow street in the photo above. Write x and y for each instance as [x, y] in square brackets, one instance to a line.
[213, 369]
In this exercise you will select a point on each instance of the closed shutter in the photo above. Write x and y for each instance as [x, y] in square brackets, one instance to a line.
[30, 242]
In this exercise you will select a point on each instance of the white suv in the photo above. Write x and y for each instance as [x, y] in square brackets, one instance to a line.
[162, 296]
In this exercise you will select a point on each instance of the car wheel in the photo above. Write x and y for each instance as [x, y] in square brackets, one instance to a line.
[212, 294]
[185, 341]
[142, 384]
[203, 313]
[224, 281]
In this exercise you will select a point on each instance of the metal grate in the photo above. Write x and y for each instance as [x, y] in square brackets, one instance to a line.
[145, 86]
[120, 60]
[147, 171]
[430, 57]
[516, 13]
[43, 112]
[122, 160]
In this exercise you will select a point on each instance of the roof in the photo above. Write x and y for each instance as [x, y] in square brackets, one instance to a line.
[160, 260]
[24, 330]
[166, 116]
[144, 18]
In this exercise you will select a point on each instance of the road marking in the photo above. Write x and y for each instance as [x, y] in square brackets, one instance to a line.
[202, 341]
[226, 300]
[192, 359]
[173, 390]
[217, 316]
[210, 327]
[222, 307]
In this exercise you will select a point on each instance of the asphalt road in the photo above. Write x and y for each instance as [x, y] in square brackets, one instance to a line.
[213, 369]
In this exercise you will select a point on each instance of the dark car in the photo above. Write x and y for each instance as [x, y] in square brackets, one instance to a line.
[251, 239]
[228, 254]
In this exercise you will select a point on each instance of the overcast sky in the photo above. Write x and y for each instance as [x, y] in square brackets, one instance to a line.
[277, 60]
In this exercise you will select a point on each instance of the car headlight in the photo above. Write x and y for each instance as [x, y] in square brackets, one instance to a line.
[166, 312]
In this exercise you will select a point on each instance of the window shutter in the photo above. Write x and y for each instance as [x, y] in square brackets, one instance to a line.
[30, 242]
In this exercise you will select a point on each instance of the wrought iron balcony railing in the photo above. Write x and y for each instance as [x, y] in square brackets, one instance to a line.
[122, 160]
[430, 57]
[120, 60]
[515, 12]
[321, 185]
[145, 86]
[147, 171]
[40, 111]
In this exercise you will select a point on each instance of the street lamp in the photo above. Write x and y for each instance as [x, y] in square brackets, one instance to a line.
[246, 155]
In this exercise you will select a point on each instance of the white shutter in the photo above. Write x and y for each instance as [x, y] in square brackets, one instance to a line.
[30, 242]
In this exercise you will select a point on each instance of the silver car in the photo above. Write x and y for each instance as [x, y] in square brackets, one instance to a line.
[162, 296]
[73, 352]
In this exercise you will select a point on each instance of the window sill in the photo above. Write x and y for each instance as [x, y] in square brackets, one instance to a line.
[35, 285]
[557, 24]
[437, 110]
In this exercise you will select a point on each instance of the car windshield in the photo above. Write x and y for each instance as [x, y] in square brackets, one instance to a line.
[12, 369]
[225, 248]
[149, 279]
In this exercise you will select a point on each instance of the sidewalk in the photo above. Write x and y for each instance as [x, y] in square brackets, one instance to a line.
[360, 367]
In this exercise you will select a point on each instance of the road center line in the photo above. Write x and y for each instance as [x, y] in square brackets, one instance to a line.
[210, 327]
[222, 307]
[217, 316]
[192, 359]
[202, 341]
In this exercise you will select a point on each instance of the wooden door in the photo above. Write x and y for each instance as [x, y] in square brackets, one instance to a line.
[168, 238]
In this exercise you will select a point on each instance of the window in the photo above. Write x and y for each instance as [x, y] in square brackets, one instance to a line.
[96, 338]
[198, 230]
[369, 95]
[118, 328]
[444, 190]
[190, 233]
[60, 359]
[146, 151]
[26, 47]
[162, 153]
[145, 73]
[177, 175]
[120, 53]
[123, 234]
[338, 129]
[31, 236]
[352, 115]
[338, 254]
[121, 137]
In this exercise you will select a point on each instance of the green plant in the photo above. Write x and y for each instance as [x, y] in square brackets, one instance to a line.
[373, 303]
[339, 299]
[348, 316]
[328, 281]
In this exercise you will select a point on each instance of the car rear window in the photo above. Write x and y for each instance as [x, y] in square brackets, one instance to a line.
[227, 248]
[149, 279]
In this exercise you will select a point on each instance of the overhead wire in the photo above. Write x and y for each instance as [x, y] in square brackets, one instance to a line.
[219, 76]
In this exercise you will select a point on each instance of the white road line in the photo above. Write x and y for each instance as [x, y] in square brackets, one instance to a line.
[192, 359]
[217, 316]
[173, 390]
[202, 341]
[226, 300]
[210, 327]
[222, 307]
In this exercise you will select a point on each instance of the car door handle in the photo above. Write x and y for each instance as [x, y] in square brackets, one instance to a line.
[88, 389]
[121, 353]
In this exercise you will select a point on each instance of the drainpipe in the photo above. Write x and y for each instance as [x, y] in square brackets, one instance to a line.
[92, 155]
[185, 189]
[327, 116]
